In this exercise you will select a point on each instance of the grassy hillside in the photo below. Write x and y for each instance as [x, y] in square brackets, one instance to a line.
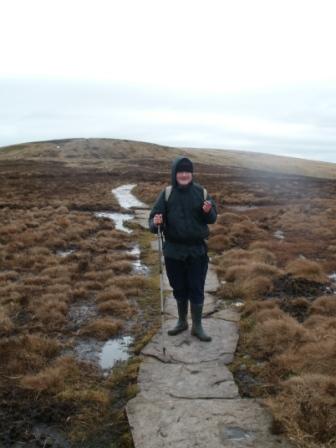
[111, 153]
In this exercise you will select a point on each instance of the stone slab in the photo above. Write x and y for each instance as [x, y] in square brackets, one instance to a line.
[211, 283]
[216, 423]
[185, 348]
[188, 398]
[202, 380]
[227, 314]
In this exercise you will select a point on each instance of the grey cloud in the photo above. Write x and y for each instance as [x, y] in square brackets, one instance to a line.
[35, 109]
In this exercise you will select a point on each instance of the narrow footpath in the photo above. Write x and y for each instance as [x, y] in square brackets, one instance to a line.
[188, 398]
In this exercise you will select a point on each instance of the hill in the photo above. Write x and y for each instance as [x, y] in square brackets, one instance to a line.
[110, 154]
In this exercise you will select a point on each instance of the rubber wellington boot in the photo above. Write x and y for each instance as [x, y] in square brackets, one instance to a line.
[197, 329]
[182, 323]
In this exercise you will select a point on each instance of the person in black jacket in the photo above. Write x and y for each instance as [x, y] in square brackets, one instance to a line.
[184, 217]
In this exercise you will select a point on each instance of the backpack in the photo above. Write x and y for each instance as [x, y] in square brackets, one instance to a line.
[169, 188]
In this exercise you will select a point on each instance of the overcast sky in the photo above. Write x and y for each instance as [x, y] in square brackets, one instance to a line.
[249, 75]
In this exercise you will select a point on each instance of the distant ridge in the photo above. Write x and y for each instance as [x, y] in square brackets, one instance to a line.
[102, 152]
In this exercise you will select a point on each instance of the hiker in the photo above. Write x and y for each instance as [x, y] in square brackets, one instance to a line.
[184, 210]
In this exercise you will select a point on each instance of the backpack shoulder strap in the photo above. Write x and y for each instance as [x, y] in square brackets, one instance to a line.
[168, 190]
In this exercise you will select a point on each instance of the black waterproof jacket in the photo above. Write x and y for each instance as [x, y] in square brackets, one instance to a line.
[185, 224]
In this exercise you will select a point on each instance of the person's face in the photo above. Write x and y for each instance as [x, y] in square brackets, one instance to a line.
[183, 177]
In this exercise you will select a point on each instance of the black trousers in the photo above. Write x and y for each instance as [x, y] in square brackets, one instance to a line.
[187, 277]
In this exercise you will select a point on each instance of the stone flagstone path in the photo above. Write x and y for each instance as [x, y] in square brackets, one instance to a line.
[189, 398]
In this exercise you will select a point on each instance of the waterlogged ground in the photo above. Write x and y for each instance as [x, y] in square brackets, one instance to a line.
[106, 353]
[75, 308]
[79, 296]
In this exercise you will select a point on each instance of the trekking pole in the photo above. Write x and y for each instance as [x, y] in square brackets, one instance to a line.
[161, 288]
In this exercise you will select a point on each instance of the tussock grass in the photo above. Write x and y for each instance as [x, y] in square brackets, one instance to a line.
[275, 334]
[308, 270]
[111, 294]
[306, 407]
[253, 306]
[103, 328]
[53, 378]
[315, 356]
[248, 273]
[6, 324]
[121, 309]
[325, 305]
[219, 243]
[38, 286]
[8, 276]
[31, 353]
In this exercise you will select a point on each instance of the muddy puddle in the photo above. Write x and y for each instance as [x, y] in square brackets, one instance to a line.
[49, 436]
[236, 303]
[126, 200]
[242, 208]
[279, 234]
[81, 312]
[139, 268]
[125, 197]
[332, 277]
[104, 354]
[65, 253]
[118, 218]
[115, 350]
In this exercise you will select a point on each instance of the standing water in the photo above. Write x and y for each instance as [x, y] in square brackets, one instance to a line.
[106, 354]
[114, 350]
[117, 218]
[126, 198]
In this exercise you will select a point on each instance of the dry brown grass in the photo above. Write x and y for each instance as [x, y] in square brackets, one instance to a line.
[6, 324]
[50, 310]
[240, 272]
[324, 327]
[219, 243]
[248, 273]
[8, 276]
[325, 305]
[31, 353]
[269, 314]
[121, 267]
[117, 309]
[306, 408]
[227, 219]
[273, 336]
[308, 270]
[247, 289]
[252, 306]
[53, 378]
[242, 257]
[111, 294]
[38, 286]
[317, 356]
[125, 282]
[103, 328]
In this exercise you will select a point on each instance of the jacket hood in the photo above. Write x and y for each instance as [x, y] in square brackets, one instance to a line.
[174, 169]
